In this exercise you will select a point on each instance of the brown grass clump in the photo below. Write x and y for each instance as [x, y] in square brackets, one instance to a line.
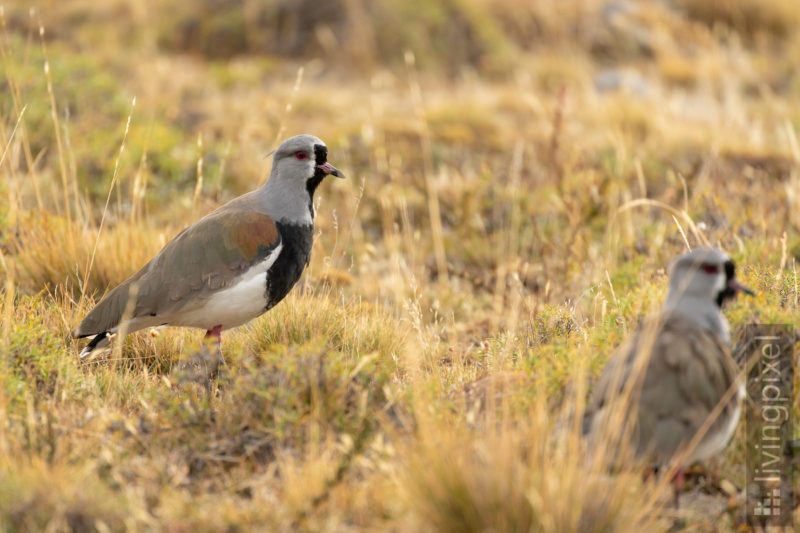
[752, 19]
[513, 480]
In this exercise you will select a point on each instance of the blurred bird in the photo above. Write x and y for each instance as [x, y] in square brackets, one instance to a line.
[230, 266]
[675, 377]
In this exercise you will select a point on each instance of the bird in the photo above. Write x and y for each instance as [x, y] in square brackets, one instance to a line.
[678, 372]
[230, 266]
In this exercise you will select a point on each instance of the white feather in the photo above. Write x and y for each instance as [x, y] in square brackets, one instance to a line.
[231, 307]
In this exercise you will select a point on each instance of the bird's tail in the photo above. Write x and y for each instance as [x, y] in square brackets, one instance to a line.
[101, 340]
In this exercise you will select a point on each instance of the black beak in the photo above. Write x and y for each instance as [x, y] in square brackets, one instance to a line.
[736, 287]
[321, 158]
[732, 285]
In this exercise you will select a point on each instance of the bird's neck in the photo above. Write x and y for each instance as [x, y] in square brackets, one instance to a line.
[702, 312]
[287, 201]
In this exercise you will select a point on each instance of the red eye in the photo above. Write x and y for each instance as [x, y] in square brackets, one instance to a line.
[300, 155]
[708, 268]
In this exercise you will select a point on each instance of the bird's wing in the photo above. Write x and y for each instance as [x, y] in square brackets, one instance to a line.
[203, 258]
[687, 375]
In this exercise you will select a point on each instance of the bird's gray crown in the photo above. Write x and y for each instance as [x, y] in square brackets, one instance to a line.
[298, 143]
[700, 255]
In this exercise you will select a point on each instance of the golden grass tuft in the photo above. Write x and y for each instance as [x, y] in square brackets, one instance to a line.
[41, 496]
[517, 475]
[51, 252]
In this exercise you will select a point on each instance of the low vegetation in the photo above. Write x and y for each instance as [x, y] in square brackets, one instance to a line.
[519, 176]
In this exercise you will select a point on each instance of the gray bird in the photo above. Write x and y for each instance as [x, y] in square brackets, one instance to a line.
[686, 372]
[232, 265]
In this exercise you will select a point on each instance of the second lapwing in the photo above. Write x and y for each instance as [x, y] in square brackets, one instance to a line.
[673, 384]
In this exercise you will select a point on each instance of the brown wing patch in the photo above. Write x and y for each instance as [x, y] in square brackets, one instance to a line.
[251, 234]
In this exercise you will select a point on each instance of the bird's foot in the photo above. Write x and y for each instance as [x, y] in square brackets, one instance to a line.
[678, 480]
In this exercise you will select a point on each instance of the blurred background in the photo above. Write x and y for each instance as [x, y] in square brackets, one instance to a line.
[565, 110]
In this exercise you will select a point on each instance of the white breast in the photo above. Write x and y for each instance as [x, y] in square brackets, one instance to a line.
[231, 307]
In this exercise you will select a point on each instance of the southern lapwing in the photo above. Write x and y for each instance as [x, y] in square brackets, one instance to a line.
[229, 267]
[685, 378]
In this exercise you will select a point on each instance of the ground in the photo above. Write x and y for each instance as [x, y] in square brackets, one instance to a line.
[519, 176]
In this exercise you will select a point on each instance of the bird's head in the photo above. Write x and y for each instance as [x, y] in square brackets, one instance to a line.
[705, 273]
[303, 158]
[299, 165]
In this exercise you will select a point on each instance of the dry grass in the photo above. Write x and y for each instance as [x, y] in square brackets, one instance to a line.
[516, 480]
[519, 177]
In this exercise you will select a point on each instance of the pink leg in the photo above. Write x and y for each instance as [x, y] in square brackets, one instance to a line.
[216, 332]
[677, 484]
